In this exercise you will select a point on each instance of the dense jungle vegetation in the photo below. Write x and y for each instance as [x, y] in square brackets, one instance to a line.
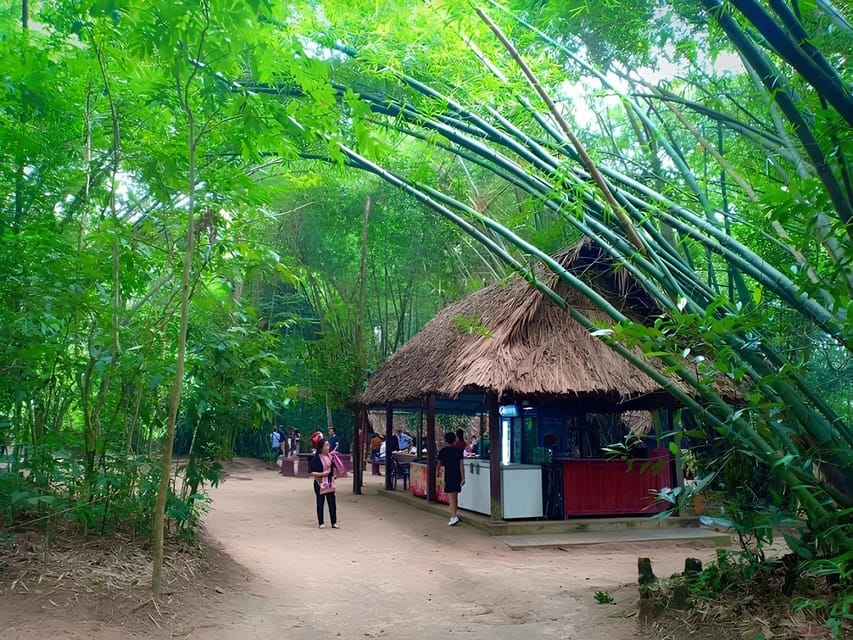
[219, 215]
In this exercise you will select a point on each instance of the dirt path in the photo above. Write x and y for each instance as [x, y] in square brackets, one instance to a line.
[396, 572]
[391, 571]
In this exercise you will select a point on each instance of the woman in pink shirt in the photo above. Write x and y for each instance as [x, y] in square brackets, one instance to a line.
[322, 469]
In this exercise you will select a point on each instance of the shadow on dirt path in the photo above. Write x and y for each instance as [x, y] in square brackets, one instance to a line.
[391, 571]
[396, 572]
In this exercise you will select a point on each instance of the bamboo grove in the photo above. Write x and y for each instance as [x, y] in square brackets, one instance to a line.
[674, 246]
[727, 197]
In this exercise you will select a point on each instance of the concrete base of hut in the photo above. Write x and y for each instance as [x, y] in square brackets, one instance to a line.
[677, 526]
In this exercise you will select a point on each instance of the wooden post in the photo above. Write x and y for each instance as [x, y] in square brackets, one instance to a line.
[357, 450]
[430, 471]
[420, 442]
[692, 568]
[483, 425]
[647, 578]
[495, 475]
[389, 430]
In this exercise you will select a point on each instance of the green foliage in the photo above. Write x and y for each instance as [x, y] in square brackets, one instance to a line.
[89, 246]
[730, 570]
[719, 282]
[739, 194]
[839, 570]
[602, 597]
[471, 325]
[625, 450]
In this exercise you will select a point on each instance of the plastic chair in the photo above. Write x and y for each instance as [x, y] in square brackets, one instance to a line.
[399, 471]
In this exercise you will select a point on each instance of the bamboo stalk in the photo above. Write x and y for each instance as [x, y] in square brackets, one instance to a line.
[765, 273]
[814, 70]
[579, 147]
[778, 88]
[365, 164]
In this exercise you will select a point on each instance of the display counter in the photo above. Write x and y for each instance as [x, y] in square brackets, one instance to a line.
[521, 489]
[418, 482]
[615, 487]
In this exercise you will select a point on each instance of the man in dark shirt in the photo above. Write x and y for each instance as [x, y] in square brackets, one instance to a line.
[334, 441]
[451, 458]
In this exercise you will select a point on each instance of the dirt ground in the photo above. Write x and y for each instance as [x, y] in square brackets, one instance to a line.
[390, 571]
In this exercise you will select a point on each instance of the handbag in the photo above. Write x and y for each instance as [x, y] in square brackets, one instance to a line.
[338, 463]
[327, 485]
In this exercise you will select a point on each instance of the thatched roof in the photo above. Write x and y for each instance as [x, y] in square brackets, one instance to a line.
[510, 338]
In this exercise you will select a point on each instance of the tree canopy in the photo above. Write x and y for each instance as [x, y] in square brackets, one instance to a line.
[219, 215]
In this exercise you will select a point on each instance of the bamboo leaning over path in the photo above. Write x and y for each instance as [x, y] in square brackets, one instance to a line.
[548, 166]
[436, 195]
[779, 88]
[588, 163]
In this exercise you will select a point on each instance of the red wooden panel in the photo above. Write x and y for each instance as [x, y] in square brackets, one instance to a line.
[418, 484]
[608, 487]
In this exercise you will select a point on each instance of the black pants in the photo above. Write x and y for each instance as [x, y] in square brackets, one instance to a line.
[333, 507]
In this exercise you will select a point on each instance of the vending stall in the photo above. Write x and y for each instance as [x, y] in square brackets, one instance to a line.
[552, 398]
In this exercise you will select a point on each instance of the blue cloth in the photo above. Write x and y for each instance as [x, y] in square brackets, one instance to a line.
[333, 442]
[275, 439]
[405, 441]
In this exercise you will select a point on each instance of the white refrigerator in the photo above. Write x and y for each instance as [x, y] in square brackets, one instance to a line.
[521, 489]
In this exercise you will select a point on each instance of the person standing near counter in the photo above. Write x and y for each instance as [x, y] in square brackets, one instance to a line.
[451, 458]
[275, 441]
[459, 443]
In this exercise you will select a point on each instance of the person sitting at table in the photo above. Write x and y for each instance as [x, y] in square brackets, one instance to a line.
[471, 450]
[375, 443]
[393, 444]
[404, 440]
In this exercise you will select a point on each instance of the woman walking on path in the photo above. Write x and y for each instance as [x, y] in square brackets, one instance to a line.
[323, 471]
[451, 458]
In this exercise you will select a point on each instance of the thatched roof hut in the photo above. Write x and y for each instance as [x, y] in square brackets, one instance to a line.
[509, 338]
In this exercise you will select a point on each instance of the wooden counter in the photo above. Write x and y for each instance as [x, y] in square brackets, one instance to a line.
[615, 487]
[418, 484]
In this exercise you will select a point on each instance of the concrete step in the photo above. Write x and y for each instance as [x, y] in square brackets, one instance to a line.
[582, 525]
[574, 526]
[560, 540]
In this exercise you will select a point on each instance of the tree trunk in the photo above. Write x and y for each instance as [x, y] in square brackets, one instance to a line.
[177, 384]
